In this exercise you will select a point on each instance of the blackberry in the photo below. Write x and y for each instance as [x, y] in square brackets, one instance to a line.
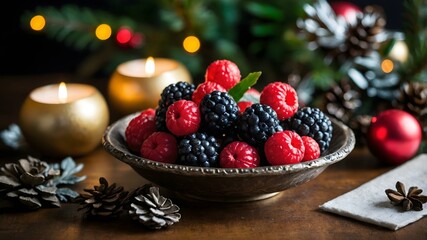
[311, 121]
[170, 94]
[257, 123]
[198, 149]
[219, 112]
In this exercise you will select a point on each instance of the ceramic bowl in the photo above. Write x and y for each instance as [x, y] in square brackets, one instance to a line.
[227, 184]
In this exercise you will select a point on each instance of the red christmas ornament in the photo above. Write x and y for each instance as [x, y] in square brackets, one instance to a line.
[394, 136]
[346, 9]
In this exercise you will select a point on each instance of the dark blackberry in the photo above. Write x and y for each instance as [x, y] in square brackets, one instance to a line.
[219, 112]
[311, 121]
[257, 123]
[170, 94]
[198, 149]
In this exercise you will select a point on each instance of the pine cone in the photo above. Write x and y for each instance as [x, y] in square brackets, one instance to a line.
[153, 210]
[413, 98]
[360, 125]
[340, 40]
[321, 27]
[103, 201]
[342, 101]
[367, 34]
[27, 182]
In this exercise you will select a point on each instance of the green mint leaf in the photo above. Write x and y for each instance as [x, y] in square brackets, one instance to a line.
[244, 85]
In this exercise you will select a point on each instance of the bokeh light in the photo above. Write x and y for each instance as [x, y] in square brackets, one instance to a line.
[191, 44]
[124, 35]
[37, 23]
[387, 65]
[103, 32]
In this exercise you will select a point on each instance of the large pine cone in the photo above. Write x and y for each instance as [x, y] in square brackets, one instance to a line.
[27, 182]
[153, 210]
[103, 201]
[367, 34]
[413, 98]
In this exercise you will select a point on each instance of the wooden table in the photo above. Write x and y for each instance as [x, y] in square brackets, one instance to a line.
[293, 214]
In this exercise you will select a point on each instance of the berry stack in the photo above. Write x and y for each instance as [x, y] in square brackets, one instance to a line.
[205, 126]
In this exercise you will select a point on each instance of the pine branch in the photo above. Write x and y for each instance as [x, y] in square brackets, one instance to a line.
[75, 26]
[415, 38]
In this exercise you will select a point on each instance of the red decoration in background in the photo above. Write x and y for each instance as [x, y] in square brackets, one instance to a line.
[136, 40]
[127, 38]
[394, 136]
[124, 35]
[346, 9]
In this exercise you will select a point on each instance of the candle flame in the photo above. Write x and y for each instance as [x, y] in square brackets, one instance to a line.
[150, 67]
[62, 93]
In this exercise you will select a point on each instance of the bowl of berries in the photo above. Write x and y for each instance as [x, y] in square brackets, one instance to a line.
[223, 140]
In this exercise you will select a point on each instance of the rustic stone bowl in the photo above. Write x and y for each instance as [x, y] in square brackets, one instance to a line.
[227, 184]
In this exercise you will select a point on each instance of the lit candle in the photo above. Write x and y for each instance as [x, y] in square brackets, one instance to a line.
[137, 84]
[64, 119]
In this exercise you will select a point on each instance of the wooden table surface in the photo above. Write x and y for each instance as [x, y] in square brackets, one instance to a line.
[292, 214]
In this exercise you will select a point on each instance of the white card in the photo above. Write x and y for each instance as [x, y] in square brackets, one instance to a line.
[369, 202]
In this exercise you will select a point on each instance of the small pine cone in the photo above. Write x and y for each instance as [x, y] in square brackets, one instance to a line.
[27, 183]
[342, 101]
[413, 98]
[360, 125]
[103, 201]
[364, 36]
[153, 210]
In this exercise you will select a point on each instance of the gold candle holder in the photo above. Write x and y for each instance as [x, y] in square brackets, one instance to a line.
[137, 84]
[64, 120]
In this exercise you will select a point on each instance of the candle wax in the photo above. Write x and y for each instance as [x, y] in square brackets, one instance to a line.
[136, 68]
[49, 94]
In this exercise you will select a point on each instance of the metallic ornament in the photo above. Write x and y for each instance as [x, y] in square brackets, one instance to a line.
[72, 128]
[394, 136]
[132, 89]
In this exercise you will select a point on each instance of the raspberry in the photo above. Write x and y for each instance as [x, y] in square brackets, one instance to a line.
[219, 112]
[205, 88]
[139, 128]
[312, 122]
[224, 72]
[243, 105]
[284, 147]
[239, 155]
[198, 149]
[282, 97]
[160, 147]
[312, 150]
[257, 124]
[170, 94]
[183, 118]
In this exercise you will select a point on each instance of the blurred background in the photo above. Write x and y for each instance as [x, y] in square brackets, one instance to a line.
[226, 26]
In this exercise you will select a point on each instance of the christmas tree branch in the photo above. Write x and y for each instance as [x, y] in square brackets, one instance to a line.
[415, 38]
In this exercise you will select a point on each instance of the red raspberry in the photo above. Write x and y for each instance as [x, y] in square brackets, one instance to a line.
[285, 147]
[252, 91]
[239, 155]
[312, 149]
[243, 105]
[183, 118]
[205, 88]
[139, 128]
[224, 72]
[282, 97]
[160, 147]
